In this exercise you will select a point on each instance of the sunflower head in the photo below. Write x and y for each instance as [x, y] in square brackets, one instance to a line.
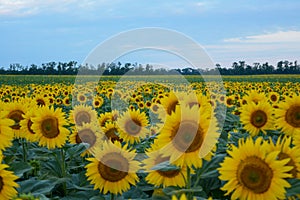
[83, 114]
[253, 172]
[113, 169]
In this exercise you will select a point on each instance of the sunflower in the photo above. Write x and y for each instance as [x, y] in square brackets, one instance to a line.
[188, 135]
[287, 116]
[255, 96]
[49, 124]
[82, 114]
[81, 98]
[110, 131]
[169, 103]
[89, 134]
[252, 173]
[26, 125]
[273, 97]
[286, 151]
[132, 126]
[174, 177]
[6, 133]
[16, 110]
[40, 100]
[113, 169]
[256, 117]
[7, 183]
[104, 118]
[98, 102]
[67, 101]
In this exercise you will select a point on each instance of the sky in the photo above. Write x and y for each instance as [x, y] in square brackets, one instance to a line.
[36, 31]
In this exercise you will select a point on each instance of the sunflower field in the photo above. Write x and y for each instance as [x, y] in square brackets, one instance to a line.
[149, 137]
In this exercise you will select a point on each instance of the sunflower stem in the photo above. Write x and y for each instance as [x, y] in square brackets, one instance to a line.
[189, 183]
[63, 169]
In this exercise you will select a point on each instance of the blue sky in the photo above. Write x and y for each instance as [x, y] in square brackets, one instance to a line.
[34, 31]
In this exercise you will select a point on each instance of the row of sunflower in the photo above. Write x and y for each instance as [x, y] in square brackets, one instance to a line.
[156, 142]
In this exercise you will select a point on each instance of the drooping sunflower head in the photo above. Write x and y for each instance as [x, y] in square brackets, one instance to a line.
[132, 126]
[287, 116]
[26, 125]
[113, 169]
[253, 173]
[15, 111]
[83, 114]
[256, 117]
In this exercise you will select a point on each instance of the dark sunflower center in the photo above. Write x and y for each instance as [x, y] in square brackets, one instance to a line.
[273, 97]
[29, 124]
[229, 101]
[188, 137]
[111, 134]
[133, 126]
[282, 156]
[81, 98]
[292, 116]
[82, 117]
[87, 136]
[50, 127]
[169, 173]
[113, 167]
[254, 174]
[16, 115]
[259, 118]
[40, 102]
[1, 184]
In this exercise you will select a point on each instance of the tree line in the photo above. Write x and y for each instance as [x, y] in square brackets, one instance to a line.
[73, 68]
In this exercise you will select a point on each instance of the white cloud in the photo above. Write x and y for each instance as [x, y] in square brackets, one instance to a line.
[32, 7]
[278, 37]
[270, 47]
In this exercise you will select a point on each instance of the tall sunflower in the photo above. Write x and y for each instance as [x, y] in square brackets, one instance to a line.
[132, 126]
[82, 114]
[287, 116]
[188, 135]
[257, 117]
[252, 173]
[286, 151]
[6, 133]
[7, 183]
[49, 125]
[175, 177]
[113, 169]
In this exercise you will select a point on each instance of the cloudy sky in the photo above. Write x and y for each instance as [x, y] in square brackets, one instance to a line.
[35, 31]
